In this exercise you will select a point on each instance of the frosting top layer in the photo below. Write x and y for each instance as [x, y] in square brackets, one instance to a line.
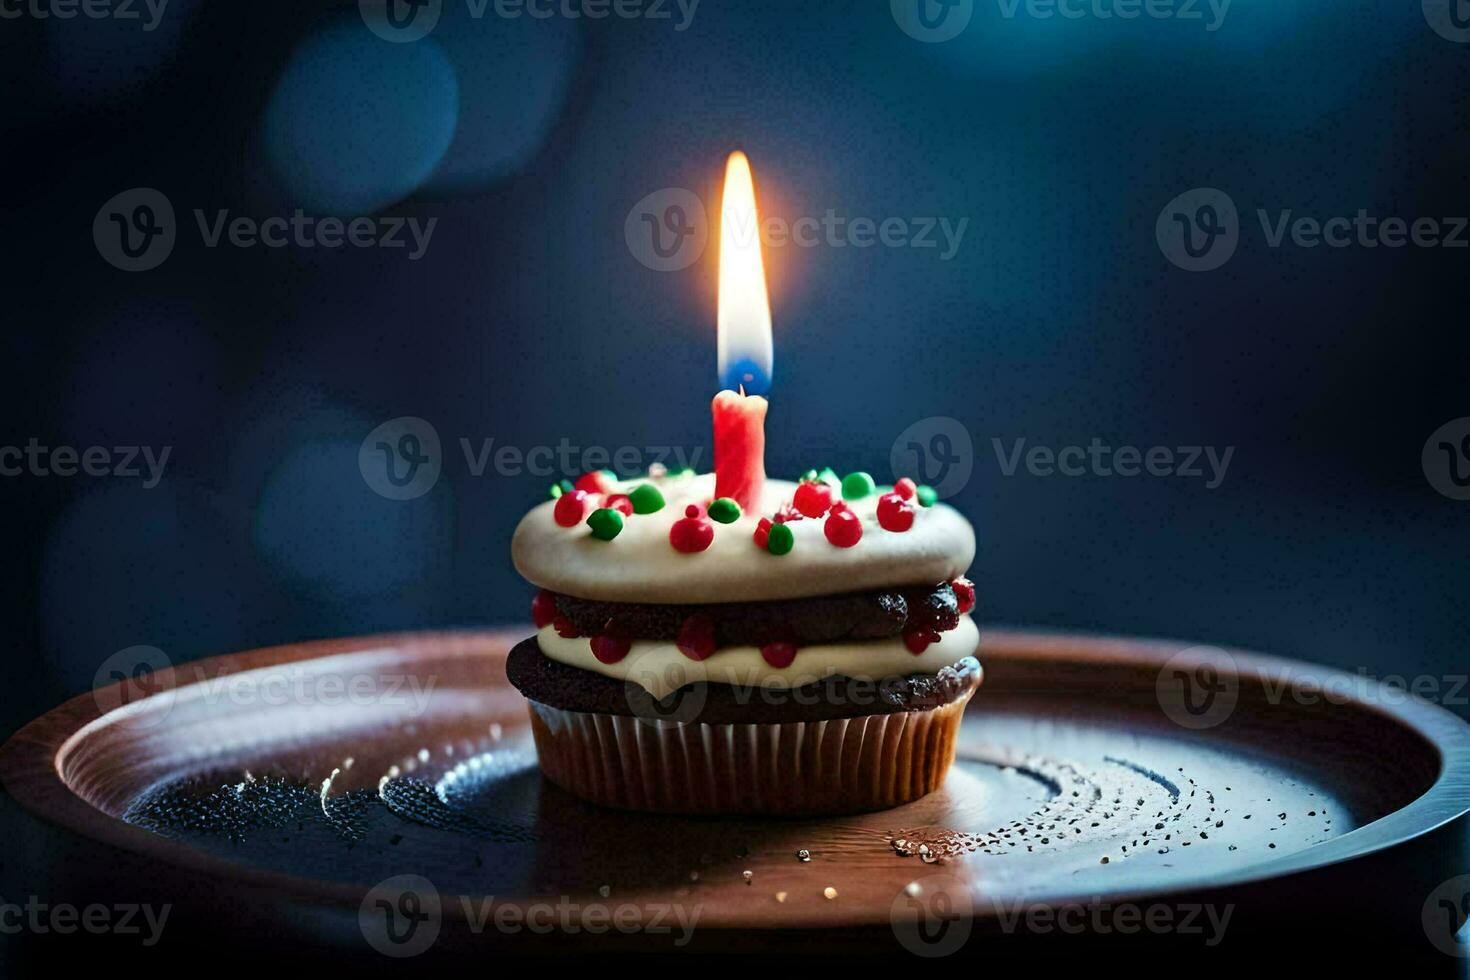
[640, 565]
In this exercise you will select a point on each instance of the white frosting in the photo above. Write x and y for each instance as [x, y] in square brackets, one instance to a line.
[640, 565]
[660, 668]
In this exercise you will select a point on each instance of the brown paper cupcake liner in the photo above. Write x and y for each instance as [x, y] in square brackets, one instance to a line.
[844, 765]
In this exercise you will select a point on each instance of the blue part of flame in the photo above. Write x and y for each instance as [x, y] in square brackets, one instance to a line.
[746, 373]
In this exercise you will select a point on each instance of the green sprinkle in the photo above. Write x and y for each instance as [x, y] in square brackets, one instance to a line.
[780, 540]
[556, 490]
[606, 523]
[927, 496]
[646, 499]
[856, 486]
[810, 476]
[724, 510]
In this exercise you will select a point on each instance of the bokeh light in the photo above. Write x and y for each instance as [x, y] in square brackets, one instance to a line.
[514, 77]
[355, 123]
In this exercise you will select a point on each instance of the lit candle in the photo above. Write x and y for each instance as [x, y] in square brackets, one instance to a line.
[744, 345]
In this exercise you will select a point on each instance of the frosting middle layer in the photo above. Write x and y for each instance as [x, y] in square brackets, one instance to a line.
[660, 668]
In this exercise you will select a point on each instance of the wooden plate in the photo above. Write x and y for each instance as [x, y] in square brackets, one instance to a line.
[1093, 773]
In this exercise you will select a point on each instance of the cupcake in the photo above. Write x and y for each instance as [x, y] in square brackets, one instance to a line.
[810, 655]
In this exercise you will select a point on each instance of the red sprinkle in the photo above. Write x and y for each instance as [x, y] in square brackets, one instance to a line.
[779, 655]
[570, 508]
[906, 488]
[610, 649]
[696, 637]
[918, 640]
[843, 527]
[692, 533]
[762, 533]
[594, 482]
[964, 591]
[895, 513]
[543, 608]
[564, 628]
[813, 499]
[619, 502]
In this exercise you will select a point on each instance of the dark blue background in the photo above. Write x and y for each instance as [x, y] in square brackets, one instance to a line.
[529, 320]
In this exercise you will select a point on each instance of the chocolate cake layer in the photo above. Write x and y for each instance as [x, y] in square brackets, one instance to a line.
[824, 619]
[539, 678]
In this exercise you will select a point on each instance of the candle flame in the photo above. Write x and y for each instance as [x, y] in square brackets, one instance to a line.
[745, 352]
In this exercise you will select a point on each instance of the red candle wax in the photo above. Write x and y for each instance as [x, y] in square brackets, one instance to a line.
[740, 448]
